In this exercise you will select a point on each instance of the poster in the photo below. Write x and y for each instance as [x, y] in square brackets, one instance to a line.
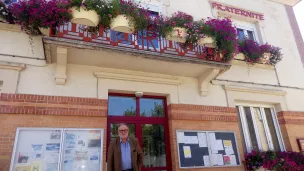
[227, 160]
[227, 143]
[187, 151]
[190, 140]
[206, 160]
[216, 145]
[202, 139]
[233, 160]
[180, 137]
[54, 147]
[23, 158]
[36, 166]
[220, 160]
[22, 168]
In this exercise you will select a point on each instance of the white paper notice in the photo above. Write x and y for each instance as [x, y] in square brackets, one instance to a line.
[180, 137]
[229, 150]
[214, 151]
[217, 145]
[206, 160]
[190, 139]
[214, 159]
[220, 160]
[187, 151]
[211, 137]
[202, 139]
[233, 160]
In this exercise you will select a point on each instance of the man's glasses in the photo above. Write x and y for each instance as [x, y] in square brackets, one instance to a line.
[123, 130]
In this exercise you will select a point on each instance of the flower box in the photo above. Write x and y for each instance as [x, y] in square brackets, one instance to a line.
[84, 17]
[121, 24]
[45, 31]
[207, 41]
[265, 58]
[240, 56]
[178, 34]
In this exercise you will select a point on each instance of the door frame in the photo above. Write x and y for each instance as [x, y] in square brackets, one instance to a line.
[138, 121]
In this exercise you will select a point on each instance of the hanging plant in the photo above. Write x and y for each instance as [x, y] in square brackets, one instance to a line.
[178, 27]
[33, 15]
[217, 33]
[251, 49]
[273, 54]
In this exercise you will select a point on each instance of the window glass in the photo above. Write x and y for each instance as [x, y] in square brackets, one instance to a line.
[122, 106]
[272, 129]
[152, 107]
[82, 150]
[37, 150]
[154, 147]
[114, 130]
[149, 38]
[261, 129]
[251, 130]
[241, 126]
[250, 35]
[241, 34]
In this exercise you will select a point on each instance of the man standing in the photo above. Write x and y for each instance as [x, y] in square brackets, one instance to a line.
[124, 152]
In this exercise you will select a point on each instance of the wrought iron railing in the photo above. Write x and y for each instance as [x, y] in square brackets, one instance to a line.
[143, 41]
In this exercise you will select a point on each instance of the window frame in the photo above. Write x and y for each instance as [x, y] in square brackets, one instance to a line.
[246, 29]
[142, 120]
[265, 128]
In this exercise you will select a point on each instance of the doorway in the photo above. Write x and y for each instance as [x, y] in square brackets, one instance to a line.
[147, 120]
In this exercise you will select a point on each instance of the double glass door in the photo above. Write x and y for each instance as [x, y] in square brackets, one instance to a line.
[147, 121]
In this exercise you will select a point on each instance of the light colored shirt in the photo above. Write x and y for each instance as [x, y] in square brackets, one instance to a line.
[125, 155]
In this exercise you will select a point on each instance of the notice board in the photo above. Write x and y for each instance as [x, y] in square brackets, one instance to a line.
[198, 149]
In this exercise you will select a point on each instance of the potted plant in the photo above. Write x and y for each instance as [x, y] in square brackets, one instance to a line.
[84, 12]
[37, 17]
[175, 28]
[271, 54]
[128, 17]
[217, 33]
[251, 50]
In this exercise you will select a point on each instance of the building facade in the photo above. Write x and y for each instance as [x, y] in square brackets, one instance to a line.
[71, 80]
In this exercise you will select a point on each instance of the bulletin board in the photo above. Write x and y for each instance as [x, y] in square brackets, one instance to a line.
[57, 149]
[197, 149]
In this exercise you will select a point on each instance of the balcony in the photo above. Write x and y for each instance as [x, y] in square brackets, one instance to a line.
[71, 44]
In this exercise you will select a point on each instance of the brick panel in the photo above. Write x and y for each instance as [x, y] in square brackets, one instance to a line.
[52, 105]
[9, 124]
[296, 31]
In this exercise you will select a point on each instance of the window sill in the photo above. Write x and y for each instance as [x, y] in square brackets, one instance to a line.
[243, 63]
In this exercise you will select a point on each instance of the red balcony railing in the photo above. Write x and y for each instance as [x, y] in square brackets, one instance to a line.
[144, 41]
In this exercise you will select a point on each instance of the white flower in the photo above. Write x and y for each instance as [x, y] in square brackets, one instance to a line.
[97, 6]
[4, 13]
[111, 6]
[102, 6]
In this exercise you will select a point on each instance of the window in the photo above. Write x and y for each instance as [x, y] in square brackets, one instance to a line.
[147, 120]
[56, 149]
[260, 128]
[1, 86]
[243, 33]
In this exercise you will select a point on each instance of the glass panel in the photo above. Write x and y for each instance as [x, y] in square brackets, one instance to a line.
[274, 137]
[261, 129]
[37, 150]
[250, 35]
[240, 125]
[120, 37]
[154, 146]
[241, 34]
[82, 150]
[252, 137]
[114, 130]
[122, 106]
[152, 107]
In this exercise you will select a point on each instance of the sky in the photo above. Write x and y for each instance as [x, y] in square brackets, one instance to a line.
[299, 12]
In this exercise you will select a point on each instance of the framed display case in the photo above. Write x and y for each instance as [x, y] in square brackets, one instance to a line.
[57, 149]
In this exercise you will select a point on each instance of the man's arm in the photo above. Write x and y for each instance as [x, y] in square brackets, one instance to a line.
[110, 158]
[140, 154]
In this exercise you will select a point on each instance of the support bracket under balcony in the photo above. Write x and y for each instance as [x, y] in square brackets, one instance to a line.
[204, 80]
[62, 55]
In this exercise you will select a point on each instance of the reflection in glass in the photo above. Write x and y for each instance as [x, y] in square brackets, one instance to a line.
[261, 128]
[122, 106]
[272, 129]
[250, 35]
[252, 137]
[154, 145]
[152, 107]
[241, 34]
[114, 130]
